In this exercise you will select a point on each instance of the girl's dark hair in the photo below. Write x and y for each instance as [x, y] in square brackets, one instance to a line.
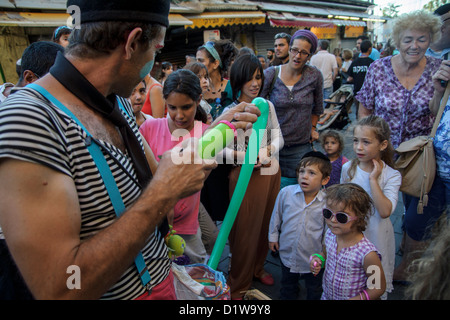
[186, 82]
[59, 32]
[226, 50]
[183, 81]
[352, 197]
[333, 134]
[242, 71]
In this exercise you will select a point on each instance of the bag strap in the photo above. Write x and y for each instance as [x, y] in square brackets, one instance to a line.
[272, 84]
[105, 172]
[441, 110]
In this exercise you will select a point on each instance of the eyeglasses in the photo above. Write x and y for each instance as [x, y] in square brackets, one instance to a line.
[303, 54]
[340, 217]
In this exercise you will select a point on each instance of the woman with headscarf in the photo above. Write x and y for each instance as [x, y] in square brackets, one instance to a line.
[296, 90]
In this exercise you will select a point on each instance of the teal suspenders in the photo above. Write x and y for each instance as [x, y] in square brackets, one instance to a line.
[105, 172]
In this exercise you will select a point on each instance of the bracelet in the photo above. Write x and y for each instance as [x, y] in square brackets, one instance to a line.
[361, 296]
[367, 295]
[318, 256]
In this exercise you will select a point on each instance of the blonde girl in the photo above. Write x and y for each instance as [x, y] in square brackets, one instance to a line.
[372, 170]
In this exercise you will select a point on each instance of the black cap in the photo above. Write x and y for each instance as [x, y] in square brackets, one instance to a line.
[153, 12]
[316, 154]
[442, 9]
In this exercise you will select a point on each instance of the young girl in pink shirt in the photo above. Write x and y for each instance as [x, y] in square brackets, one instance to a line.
[182, 93]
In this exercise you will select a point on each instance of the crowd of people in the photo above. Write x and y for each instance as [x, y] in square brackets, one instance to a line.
[325, 216]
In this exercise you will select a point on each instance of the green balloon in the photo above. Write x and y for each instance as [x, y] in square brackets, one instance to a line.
[242, 183]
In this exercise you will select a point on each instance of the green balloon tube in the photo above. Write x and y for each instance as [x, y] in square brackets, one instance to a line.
[242, 183]
[216, 139]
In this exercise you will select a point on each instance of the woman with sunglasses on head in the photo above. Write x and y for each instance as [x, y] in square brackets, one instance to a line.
[296, 90]
[353, 269]
[373, 171]
[218, 56]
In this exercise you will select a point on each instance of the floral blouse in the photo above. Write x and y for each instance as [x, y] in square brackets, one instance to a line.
[406, 111]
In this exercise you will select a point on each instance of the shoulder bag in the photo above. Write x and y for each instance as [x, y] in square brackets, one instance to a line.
[417, 162]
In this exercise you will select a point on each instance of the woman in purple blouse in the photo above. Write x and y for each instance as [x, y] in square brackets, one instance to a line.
[298, 99]
[399, 89]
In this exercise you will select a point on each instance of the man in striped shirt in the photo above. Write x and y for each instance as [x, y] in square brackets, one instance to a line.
[55, 212]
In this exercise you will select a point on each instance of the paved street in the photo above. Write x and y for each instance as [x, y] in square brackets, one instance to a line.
[273, 264]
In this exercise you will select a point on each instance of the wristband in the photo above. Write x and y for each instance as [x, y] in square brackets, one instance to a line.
[229, 124]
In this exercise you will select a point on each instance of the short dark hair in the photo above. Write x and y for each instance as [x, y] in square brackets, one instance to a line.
[283, 35]
[362, 38]
[39, 57]
[242, 71]
[324, 165]
[96, 39]
[365, 46]
[324, 44]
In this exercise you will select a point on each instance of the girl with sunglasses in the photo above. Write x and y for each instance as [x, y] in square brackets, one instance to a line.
[352, 263]
[372, 169]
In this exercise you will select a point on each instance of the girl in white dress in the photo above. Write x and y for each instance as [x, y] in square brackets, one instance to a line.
[372, 170]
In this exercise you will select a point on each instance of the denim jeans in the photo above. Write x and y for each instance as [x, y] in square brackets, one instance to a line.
[419, 226]
[289, 284]
[289, 158]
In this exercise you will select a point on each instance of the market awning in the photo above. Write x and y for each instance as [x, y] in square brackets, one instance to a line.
[36, 19]
[293, 21]
[226, 18]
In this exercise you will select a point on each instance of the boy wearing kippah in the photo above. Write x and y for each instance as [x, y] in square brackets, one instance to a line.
[297, 227]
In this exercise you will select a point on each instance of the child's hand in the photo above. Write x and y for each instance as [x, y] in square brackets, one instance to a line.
[377, 167]
[315, 265]
[274, 246]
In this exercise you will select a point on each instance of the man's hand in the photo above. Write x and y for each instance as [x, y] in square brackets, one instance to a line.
[182, 171]
[244, 115]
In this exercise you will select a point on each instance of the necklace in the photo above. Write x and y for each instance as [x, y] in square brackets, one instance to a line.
[220, 90]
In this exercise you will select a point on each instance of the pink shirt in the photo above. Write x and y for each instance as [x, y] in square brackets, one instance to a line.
[156, 132]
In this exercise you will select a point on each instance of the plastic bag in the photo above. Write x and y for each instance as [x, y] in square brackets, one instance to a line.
[199, 282]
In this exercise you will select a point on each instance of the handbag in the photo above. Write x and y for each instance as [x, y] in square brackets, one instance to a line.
[417, 162]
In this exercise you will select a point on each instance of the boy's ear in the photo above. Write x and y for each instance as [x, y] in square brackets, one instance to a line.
[325, 180]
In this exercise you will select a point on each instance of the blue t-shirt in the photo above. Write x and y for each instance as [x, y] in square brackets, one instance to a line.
[442, 144]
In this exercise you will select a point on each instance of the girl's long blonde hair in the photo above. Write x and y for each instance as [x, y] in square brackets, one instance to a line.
[382, 132]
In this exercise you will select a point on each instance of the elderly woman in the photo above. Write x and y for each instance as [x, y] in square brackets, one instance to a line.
[399, 89]
[296, 90]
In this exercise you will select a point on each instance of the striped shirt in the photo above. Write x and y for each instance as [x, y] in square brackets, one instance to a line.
[344, 275]
[33, 129]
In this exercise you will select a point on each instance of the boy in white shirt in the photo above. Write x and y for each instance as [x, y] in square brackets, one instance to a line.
[297, 227]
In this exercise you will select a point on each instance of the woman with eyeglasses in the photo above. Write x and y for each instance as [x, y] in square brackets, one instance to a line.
[349, 258]
[296, 90]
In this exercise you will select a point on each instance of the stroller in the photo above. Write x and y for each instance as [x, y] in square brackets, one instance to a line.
[336, 111]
